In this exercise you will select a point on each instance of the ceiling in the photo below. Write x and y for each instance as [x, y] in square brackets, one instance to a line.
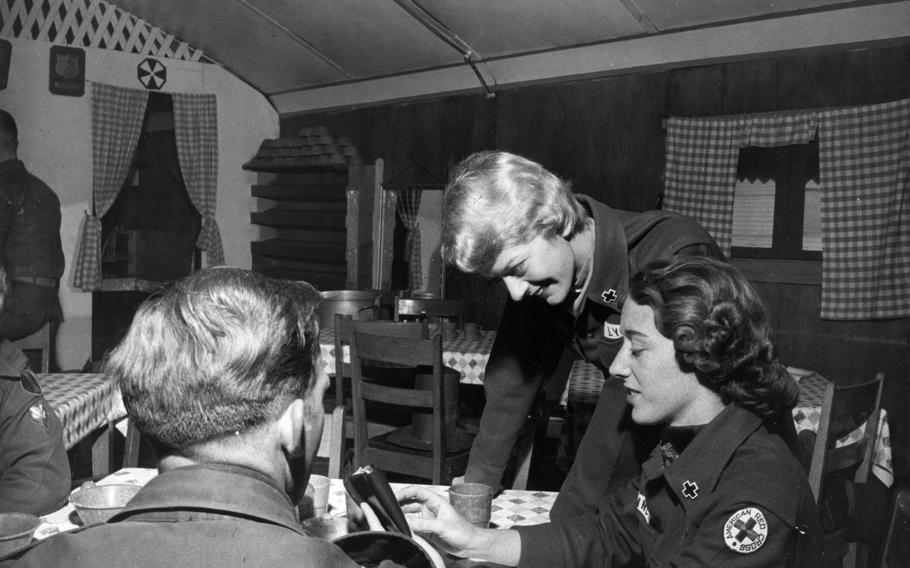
[293, 50]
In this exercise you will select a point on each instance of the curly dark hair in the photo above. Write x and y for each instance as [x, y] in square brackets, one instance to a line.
[720, 330]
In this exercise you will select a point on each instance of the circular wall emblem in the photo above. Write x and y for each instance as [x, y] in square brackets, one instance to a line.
[746, 530]
[152, 73]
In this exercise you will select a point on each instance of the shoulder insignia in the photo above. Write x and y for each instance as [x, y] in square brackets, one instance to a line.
[38, 414]
[746, 530]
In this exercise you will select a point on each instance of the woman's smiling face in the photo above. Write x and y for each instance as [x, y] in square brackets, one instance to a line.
[659, 391]
[543, 268]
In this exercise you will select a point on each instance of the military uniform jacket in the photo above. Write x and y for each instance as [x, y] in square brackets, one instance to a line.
[205, 516]
[533, 335]
[735, 497]
[34, 470]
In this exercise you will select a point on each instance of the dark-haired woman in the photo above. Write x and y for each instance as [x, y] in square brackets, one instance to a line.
[722, 488]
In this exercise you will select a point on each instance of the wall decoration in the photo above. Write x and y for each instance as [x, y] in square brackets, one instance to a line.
[152, 73]
[67, 71]
[6, 49]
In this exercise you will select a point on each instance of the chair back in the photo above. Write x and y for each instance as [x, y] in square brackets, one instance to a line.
[331, 446]
[38, 341]
[344, 327]
[429, 309]
[424, 357]
[838, 471]
[844, 410]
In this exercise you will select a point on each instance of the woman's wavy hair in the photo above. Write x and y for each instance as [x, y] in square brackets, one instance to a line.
[496, 199]
[720, 330]
[219, 352]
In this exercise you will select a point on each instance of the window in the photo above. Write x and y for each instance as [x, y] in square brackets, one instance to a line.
[777, 206]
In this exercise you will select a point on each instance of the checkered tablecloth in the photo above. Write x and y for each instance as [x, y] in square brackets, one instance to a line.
[83, 402]
[511, 507]
[467, 356]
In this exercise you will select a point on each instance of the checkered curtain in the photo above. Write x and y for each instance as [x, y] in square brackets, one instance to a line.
[408, 207]
[702, 154]
[196, 130]
[117, 115]
[864, 165]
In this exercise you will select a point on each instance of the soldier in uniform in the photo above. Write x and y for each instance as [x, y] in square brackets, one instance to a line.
[722, 488]
[34, 470]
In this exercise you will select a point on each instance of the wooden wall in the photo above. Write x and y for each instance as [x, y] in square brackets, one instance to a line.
[605, 136]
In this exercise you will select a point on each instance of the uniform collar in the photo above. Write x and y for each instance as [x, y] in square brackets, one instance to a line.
[609, 283]
[696, 471]
[214, 488]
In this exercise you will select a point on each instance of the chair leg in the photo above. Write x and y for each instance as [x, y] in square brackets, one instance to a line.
[131, 445]
[525, 452]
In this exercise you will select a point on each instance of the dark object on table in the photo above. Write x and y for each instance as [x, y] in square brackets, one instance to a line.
[369, 485]
[371, 548]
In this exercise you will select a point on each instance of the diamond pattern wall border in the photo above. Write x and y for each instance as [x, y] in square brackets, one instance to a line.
[90, 23]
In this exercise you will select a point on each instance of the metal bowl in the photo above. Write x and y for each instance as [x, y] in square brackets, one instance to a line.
[98, 503]
[16, 530]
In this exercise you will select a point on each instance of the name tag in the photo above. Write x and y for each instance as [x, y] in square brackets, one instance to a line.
[612, 331]
[643, 508]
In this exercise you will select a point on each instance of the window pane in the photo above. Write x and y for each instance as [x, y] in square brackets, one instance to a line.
[753, 213]
[812, 217]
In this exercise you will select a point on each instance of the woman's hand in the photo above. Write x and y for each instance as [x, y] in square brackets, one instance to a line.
[430, 514]
[433, 517]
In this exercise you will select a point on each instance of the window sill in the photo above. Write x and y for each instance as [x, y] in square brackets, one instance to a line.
[774, 271]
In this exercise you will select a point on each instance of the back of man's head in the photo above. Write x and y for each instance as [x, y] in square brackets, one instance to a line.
[222, 351]
[9, 132]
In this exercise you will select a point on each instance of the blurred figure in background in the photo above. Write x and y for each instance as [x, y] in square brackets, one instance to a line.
[30, 247]
[34, 470]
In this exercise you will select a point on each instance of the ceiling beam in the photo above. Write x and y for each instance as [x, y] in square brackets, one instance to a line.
[304, 43]
[853, 26]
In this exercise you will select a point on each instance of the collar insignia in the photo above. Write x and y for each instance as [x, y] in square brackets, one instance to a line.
[609, 296]
[746, 530]
[690, 489]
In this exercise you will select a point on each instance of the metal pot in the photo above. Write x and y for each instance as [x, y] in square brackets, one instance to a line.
[360, 304]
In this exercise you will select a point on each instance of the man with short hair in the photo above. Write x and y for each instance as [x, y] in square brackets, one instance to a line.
[30, 246]
[222, 374]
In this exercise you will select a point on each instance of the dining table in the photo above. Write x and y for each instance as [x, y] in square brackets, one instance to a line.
[86, 404]
[510, 508]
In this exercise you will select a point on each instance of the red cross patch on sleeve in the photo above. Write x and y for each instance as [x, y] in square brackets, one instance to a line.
[746, 530]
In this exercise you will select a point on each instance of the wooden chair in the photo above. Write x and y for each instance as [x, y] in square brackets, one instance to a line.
[344, 327]
[436, 463]
[331, 446]
[430, 309]
[836, 472]
[38, 341]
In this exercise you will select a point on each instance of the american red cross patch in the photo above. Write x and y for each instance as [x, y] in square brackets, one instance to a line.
[746, 530]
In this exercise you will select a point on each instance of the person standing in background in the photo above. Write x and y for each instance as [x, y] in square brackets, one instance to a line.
[34, 470]
[30, 246]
